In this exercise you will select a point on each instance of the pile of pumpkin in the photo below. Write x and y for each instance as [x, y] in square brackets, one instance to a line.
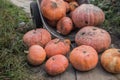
[90, 40]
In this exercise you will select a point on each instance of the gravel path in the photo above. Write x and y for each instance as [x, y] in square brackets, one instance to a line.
[25, 4]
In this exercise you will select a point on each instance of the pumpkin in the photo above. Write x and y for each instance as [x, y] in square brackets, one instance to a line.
[36, 55]
[73, 5]
[83, 58]
[53, 9]
[87, 15]
[56, 65]
[96, 37]
[67, 7]
[57, 46]
[64, 25]
[110, 60]
[38, 36]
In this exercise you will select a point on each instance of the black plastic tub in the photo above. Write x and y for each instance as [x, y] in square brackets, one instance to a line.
[38, 19]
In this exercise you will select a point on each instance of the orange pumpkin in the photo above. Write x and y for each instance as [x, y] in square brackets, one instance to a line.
[64, 25]
[57, 46]
[36, 55]
[98, 38]
[73, 5]
[53, 9]
[87, 15]
[56, 65]
[39, 36]
[110, 60]
[83, 58]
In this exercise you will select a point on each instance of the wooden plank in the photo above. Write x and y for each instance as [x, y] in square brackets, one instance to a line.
[96, 74]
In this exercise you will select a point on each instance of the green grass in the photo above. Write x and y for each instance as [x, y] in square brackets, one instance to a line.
[12, 56]
[112, 14]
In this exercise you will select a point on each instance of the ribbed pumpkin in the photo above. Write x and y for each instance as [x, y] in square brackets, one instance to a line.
[57, 46]
[110, 60]
[96, 37]
[36, 55]
[87, 15]
[39, 36]
[56, 65]
[64, 25]
[83, 58]
[53, 9]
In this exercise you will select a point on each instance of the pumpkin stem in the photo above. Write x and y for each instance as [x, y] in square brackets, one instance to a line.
[67, 41]
[57, 41]
[54, 4]
[84, 52]
[53, 58]
[94, 29]
[82, 33]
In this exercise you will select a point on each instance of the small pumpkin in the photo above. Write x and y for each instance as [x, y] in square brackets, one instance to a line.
[73, 5]
[83, 58]
[110, 60]
[96, 37]
[38, 36]
[64, 25]
[87, 15]
[56, 65]
[53, 9]
[57, 46]
[37, 55]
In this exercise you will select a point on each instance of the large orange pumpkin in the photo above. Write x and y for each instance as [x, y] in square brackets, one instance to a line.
[110, 60]
[57, 46]
[87, 15]
[39, 36]
[53, 9]
[36, 55]
[56, 65]
[64, 25]
[84, 58]
[98, 38]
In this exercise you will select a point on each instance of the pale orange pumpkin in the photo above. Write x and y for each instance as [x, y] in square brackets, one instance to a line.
[56, 65]
[87, 15]
[38, 36]
[96, 37]
[53, 9]
[64, 25]
[57, 46]
[83, 58]
[73, 5]
[36, 55]
[110, 60]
